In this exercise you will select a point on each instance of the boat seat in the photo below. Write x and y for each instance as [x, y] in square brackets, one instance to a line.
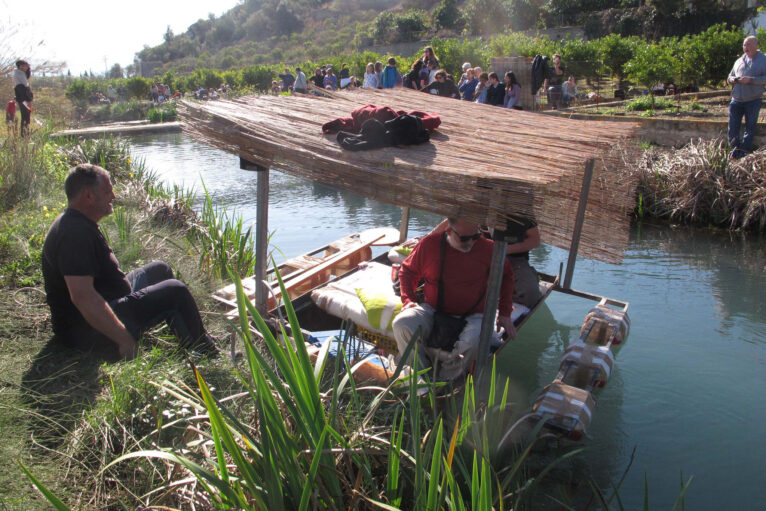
[301, 262]
[341, 299]
[342, 244]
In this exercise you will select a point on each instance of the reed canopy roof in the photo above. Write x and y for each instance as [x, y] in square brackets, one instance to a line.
[484, 163]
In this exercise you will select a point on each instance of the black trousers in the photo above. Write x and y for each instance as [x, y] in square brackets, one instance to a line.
[156, 296]
[25, 118]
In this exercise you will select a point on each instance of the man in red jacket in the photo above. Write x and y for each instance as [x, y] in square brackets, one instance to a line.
[467, 260]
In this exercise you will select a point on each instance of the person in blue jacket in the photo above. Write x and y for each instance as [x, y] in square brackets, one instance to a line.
[468, 86]
[391, 77]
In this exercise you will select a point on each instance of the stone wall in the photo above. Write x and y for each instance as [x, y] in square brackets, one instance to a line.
[669, 132]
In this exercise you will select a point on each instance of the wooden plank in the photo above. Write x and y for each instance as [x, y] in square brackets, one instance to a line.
[579, 219]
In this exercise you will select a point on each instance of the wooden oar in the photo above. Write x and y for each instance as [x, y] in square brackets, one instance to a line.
[314, 276]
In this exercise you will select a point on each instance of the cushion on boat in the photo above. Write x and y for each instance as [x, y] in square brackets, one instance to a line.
[381, 307]
[341, 298]
[398, 254]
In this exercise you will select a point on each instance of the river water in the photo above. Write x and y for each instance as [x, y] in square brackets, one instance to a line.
[689, 388]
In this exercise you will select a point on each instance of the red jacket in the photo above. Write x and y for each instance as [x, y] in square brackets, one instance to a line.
[465, 276]
[353, 124]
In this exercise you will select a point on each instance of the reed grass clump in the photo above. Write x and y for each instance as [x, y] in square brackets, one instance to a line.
[28, 166]
[164, 113]
[223, 242]
[302, 434]
[700, 184]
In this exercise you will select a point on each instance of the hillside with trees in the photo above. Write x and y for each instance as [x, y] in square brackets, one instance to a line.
[262, 32]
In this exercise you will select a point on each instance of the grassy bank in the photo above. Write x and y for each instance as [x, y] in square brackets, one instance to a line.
[65, 414]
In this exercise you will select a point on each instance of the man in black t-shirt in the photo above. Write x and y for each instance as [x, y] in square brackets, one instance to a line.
[524, 235]
[91, 300]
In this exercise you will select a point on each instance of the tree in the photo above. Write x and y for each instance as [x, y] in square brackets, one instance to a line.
[582, 58]
[383, 27]
[447, 15]
[615, 52]
[223, 32]
[286, 21]
[138, 87]
[115, 72]
[410, 24]
[259, 77]
[721, 46]
[652, 63]
[563, 12]
[168, 37]
[523, 14]
[486, 16]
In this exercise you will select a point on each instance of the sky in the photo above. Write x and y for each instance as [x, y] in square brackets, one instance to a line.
[85, 33]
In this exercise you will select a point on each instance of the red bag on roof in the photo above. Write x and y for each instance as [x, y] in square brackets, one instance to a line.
[354, 123]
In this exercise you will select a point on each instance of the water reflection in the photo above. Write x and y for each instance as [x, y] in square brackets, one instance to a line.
[688, 385]
[735, 264]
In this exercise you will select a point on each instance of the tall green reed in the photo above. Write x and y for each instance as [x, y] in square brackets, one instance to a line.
[223, 242]
[320, 440]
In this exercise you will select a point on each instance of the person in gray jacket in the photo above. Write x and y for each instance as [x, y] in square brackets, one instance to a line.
[748, 77]
[301, 84]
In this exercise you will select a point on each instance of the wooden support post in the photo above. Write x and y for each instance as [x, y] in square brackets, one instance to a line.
[494, 284]
[261, 233]
[579, 220]
[404, 225]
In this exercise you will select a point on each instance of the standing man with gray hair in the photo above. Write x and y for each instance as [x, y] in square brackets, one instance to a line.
[748, 77]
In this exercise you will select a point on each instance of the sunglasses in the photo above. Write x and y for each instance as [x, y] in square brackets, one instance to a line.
[467, 238]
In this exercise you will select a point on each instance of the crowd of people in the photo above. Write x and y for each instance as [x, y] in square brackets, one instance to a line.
[426, 75]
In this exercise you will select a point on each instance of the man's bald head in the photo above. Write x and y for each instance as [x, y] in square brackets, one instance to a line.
[750, 45]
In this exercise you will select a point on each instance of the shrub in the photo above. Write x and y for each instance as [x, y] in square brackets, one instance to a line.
[644, 103]
[259, 77]
[205, 78]
[165, 113]
[516, 44]
[698, 183]
[233, 78]
[410, 24]
[453, 52]
[79, 91]
[138, 87]
[447, 15]
[129, 110]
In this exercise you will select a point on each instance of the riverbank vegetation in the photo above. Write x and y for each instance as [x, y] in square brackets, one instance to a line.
[600, 66]
[701, 59]
[699, 184]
